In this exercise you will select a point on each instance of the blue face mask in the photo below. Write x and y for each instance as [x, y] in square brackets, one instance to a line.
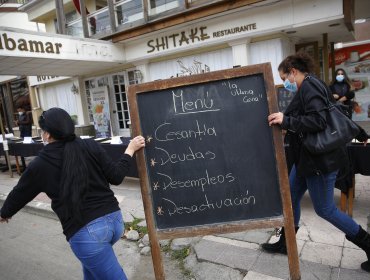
[340, 78]
[290, 86]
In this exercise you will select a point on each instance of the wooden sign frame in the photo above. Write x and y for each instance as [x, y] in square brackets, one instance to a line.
[220, 228]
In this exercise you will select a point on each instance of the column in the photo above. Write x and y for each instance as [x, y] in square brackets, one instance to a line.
[240, 52]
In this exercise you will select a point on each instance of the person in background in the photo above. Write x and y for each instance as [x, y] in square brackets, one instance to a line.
[76, 175]
[315, 173]
[342, 90]
[25, 126]
[24, 122]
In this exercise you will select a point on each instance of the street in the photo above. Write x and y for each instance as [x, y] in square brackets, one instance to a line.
[34, 248]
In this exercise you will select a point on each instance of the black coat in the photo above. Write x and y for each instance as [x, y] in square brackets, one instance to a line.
[309, 116]
[344, 89]
[43, 174]
[25, 125]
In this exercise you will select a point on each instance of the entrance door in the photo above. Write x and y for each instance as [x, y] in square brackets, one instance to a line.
[121, 110]
[117, 87]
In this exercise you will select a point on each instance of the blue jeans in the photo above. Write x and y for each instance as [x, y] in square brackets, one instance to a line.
[92, 245]
[321, 190]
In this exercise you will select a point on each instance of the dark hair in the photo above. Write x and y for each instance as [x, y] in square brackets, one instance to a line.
[346, 78]
[300, 61]
[74, 174]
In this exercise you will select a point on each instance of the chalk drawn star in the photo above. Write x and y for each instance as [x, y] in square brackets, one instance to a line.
[160, 211]
[152, 162]
[155, 186]
[148, 139]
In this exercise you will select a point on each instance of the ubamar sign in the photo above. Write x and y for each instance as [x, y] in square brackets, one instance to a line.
[23, 45]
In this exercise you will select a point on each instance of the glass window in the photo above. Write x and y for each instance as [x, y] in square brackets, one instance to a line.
[128, 11]
[160, 6]
[99, 21]
[121, 101]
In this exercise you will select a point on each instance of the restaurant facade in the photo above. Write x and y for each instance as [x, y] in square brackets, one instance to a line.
[117, 43]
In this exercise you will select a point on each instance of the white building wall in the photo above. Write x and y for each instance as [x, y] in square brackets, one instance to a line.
[264, 20]
[58, 95]
[19, 20]
[273, 51]
[195, 64]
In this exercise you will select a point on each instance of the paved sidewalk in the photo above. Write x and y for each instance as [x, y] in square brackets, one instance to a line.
[324, 252]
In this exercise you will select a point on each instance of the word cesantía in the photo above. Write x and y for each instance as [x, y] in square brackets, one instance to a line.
[164, 132]
[11, 44]
[242, 200]
[197, 182]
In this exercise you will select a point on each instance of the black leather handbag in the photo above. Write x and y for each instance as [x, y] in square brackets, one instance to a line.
[340, 129]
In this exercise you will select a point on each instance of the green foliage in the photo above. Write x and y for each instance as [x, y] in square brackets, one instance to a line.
[134, 226]
[180, 256]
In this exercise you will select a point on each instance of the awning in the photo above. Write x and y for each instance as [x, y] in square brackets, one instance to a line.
[29, 53]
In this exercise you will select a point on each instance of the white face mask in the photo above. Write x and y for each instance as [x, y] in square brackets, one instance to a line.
[44, 141]
[20, 113]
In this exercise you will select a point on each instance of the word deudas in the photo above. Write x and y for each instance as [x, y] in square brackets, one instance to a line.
[166, 157]
[163, 132]
[242, 200]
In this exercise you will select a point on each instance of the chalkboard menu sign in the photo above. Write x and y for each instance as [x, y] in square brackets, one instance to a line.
[210, 156]
[284, 97]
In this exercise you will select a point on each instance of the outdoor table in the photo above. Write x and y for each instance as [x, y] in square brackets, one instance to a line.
[359, 156]
[114, 151]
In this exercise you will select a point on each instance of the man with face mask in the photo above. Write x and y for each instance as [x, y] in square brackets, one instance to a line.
[25, 126]
[24, 122]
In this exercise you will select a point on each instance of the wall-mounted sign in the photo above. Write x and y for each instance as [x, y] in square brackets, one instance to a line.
[39, 80]
[355, 60]
[9, 43]
[194, 35]
[21, 43]
[197, 68]
[100, 111]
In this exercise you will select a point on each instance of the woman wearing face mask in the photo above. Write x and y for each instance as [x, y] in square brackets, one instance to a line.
[315, 173]
[76, 174]
[342, 91]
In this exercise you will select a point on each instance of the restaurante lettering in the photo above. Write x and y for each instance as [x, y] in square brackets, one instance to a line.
[11, 44]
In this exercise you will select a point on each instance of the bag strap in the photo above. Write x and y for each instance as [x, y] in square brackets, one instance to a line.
[320, 87]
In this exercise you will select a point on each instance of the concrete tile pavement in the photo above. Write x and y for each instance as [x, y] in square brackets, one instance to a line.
[323, 250]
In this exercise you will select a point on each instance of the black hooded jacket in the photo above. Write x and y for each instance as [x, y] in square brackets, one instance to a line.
[43, 174]
[309, 116]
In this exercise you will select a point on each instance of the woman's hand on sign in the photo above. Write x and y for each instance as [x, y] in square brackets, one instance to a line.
[275, 118]
[135, 144]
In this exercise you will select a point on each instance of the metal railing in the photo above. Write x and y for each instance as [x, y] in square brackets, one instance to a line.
[14, 2]
[128, 13]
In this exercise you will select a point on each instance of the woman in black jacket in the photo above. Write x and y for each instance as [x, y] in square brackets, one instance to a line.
[75, 174]
[342, 90]
[315, 173]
